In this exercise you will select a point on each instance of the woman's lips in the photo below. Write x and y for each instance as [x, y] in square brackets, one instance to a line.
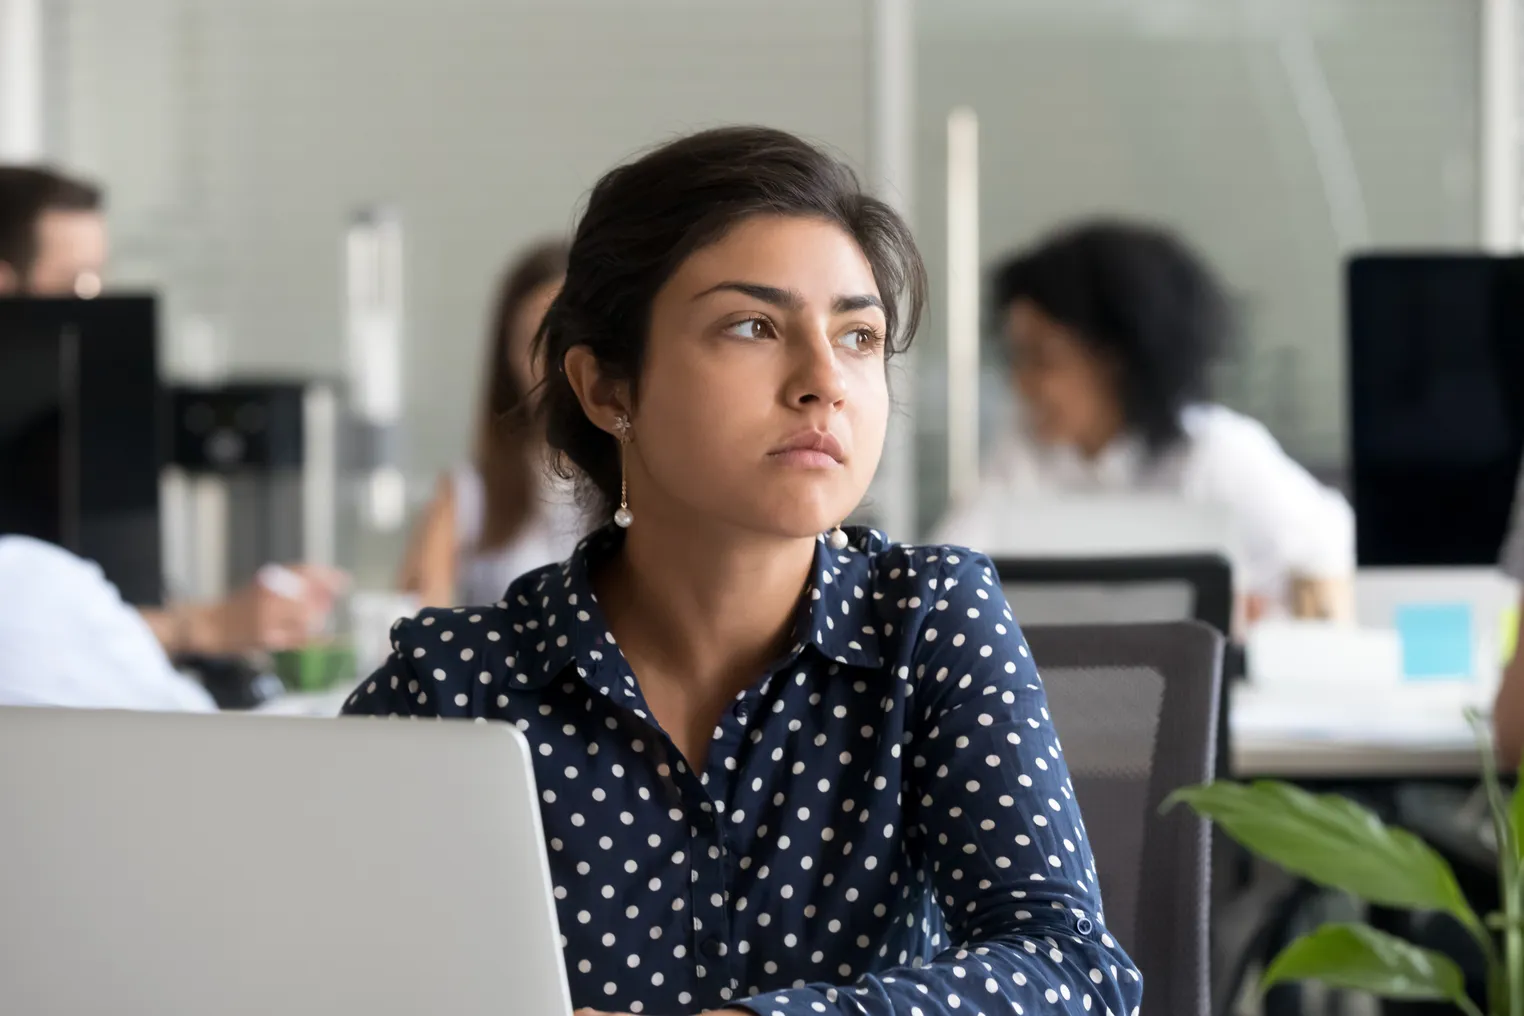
[810, 449]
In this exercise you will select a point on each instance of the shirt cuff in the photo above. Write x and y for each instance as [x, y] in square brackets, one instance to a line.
[793, 1002]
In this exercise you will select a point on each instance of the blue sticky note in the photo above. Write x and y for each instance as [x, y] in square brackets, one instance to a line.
[1436, 640]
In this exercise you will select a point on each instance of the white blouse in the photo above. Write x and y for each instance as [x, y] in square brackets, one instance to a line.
[1286, 522]
[549, 535]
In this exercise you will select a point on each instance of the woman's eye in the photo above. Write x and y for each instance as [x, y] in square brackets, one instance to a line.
[751, 328]
[861, 339]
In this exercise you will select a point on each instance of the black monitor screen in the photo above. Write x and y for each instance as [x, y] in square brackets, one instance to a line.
[1436, 381]
[81, 433]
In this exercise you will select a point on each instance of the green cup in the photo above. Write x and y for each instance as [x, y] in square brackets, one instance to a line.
[315, 668]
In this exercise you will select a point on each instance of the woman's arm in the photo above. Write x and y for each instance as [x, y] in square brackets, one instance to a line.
[1297, 535]
[989, 799]
[429, 568]
[1508, 710]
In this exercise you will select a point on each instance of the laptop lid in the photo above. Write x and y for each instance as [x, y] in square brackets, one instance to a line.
[178, 864]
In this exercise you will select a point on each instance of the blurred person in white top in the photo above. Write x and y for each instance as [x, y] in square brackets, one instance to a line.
[1111, 330]
[70, 640]
[505, 512]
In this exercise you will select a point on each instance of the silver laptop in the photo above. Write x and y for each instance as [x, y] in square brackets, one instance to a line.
[175, 864]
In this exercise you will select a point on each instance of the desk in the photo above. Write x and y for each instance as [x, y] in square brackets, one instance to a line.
[1406, 732]
[1412, 734]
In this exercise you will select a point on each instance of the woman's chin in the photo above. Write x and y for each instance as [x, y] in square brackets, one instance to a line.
[798, 523]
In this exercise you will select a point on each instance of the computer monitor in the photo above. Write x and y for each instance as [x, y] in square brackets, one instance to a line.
[82, 433]
[1436, 402]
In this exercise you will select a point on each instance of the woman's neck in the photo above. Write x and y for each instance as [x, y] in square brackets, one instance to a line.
[706, 605]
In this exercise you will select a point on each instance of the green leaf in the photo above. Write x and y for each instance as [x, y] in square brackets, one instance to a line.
[1334, 842]
[1360, 958]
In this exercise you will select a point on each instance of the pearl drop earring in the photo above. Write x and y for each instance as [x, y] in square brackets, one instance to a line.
[623, 517]
[837, 539]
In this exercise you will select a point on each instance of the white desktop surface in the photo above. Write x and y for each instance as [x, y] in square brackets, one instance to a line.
[1409, 731]
[1335, 721]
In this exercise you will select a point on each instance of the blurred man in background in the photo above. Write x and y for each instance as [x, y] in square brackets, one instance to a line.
[52, 234]
[69, 639]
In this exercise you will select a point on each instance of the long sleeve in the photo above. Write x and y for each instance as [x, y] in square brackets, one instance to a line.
[995, 816]
[1288, 523]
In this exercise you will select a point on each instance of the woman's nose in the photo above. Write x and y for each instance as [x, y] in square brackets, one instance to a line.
[817, 374]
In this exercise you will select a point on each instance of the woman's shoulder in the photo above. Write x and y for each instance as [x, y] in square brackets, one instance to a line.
[890, 561]
[1215, 429]
[908, 581]
[489, 637]
[937, 609]
[1238, 455]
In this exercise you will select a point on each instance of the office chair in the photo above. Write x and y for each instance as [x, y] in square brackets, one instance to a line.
[1136, 707]
[1209, 577]
[1051, 581]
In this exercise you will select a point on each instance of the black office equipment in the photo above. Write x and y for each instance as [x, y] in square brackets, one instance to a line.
[82, 435]
[251, 438]
[1436, 405]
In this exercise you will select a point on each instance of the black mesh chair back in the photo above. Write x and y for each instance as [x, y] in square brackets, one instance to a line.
[1136, 707]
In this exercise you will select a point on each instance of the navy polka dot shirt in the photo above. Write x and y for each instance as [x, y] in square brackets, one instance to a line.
[885, 826]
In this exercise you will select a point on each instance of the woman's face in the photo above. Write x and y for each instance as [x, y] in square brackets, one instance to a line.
[1068, 390]
[763, 399]
[528, 370]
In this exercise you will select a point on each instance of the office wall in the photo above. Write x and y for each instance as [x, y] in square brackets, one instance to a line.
[1275, 135]
[237, 135]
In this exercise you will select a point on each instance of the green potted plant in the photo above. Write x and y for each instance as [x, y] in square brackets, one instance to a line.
[1333, 842]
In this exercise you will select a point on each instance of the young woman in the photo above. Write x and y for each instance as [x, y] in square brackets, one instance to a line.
[500, 515]
[786, 768]
[1112, 328]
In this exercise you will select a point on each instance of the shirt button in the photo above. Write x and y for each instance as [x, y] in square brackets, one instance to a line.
[713, 948]
[1083, 926]
[742, 714]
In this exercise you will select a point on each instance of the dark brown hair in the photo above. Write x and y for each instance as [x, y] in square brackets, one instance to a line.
[26, 192]
[645, 217]
[507, 439]
[1139, 294]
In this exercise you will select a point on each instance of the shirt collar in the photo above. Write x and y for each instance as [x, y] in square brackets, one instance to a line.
[560, 624]
[836, 615]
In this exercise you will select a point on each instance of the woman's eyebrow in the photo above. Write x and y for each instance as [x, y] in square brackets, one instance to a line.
[785, 299]
[847, 304]
[791, 299]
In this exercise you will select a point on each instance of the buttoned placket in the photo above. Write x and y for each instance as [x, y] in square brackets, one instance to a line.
[711, 856]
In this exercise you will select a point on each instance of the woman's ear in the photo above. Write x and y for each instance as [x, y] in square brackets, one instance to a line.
[603, 400]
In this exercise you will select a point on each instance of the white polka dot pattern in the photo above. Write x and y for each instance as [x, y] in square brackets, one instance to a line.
[884, 825]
